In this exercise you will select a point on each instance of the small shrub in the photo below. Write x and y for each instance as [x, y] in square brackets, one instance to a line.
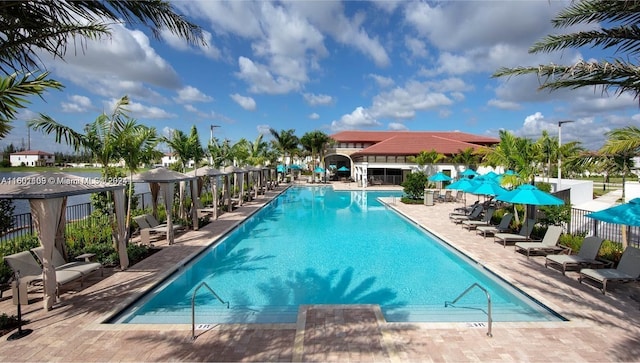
[407, 200]
[414, 185]
[611, 251]
[572, 241]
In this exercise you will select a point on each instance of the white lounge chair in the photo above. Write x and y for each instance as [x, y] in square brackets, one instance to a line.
[502, 227]
[85, 268]
[548, 245]
[521, 236]
[586, 257]
[628, 270]
[30, 271]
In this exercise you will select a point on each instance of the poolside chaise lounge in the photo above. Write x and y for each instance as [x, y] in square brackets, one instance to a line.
[521, 236]
[59, 263]
[586, 257]
[502, 227]
[548, 245]
[486, 219]
[628, 270]
[465, 210]
[31, 272]
[475, 214]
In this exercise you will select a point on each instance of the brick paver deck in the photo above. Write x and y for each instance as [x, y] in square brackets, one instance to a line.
[600, 327]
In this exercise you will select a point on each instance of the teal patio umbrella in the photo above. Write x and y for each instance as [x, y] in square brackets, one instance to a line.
[343, 168]
[439, 177]
[530, 195]
[627, 214]
[488, 187]
[463, 184]
[490, 175]
[469, 173]
[319, 170]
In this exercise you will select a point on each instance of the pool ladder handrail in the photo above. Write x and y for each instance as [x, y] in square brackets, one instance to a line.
[475, 284]
[193, 306]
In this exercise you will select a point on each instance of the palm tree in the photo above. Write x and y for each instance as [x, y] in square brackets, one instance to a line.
[179, 144]
[97, 137]
[29, 28]
[258, 150]
[425, 158]
[315, 142]
[622, 146]
[286, 142]
[136, 145]
[467, 157]
[548, 147]
[221, 154]
[622, 35]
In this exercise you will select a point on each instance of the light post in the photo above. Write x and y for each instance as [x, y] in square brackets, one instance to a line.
[559, 153]
[211, 142]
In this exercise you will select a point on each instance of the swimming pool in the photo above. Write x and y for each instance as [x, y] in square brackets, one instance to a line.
[314, 245]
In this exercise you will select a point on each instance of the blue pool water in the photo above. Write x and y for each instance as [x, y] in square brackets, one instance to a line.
[319, 246]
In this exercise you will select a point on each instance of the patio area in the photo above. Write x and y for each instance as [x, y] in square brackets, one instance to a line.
[599, 327]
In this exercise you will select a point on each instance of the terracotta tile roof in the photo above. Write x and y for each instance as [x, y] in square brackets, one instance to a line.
[32, 152]
[413, 142]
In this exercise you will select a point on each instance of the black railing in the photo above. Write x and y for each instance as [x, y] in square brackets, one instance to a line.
[580, 224]
[78, 215]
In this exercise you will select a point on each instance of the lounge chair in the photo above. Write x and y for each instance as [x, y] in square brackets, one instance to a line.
[30, 270]
[486, 219]
[502, 227]
[586, 257]
[85, 268]
[628, 270]
[463, 211]
[548, 245]
[475, 214]
[521, 236]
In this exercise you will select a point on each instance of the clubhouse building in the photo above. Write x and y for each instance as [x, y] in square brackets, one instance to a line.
[382, 157]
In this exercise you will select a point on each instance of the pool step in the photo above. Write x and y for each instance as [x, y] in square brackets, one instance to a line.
[289, 314]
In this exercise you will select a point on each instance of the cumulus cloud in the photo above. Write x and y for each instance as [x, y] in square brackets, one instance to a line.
[247, 103]
[261, 80]
[397, 126]
[191, 94]
[138, 110]
[503, 105]
[77, 104]
[314, 116]
[403, 102]
[382, 81]
[359, 118]
[263, 129]
[317, 99]
[208, 49]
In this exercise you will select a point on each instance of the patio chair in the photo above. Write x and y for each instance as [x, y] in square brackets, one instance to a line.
[502, 227]
[30, 270]
[486, 219]
[586, 257]
[459, 196]
[548, 245]
[59, 263]
[476, 214]
[446, 197]
[521, 236]
[628, 270]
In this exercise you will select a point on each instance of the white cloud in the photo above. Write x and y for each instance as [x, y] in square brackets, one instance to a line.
[247, 103]
[417, 47]
[503, 105]
[314, 116]
[317, 100]
[359, 118]
[403, 102]
[138, 110]
[77, 104]
[261, 80]
[397, 126]
[263, 129]
[191, 94]
[208, 49]
[382, 81]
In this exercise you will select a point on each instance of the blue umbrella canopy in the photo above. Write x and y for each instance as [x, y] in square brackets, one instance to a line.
[343, 168]
[529, 194]
[463, 184]
[469, 172]
[490, 175]
[627, 214]
[280, 168]
[487, 187]
[439, 177]
[319, 169]
[295, 167]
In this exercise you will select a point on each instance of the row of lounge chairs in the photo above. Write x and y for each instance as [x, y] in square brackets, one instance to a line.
[559, 257]
[149, 226]
[30, 271]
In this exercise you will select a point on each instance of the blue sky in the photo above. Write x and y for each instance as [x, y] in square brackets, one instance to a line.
[332, 66]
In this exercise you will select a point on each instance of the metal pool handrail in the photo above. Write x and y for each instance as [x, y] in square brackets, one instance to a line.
[193, 308]
[489, 319]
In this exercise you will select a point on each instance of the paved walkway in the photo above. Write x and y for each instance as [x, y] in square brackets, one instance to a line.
[600, 327]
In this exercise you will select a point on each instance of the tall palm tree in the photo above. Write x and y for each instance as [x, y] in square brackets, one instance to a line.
[548, 147]
[315, 142]
[29, 28]
[622, 35]
[179, 144]
[426, 158]
[622, 146]
[136, 145]
[258, 150]
[220, 153]
[467, 157]
[286, 142]
[97, 137]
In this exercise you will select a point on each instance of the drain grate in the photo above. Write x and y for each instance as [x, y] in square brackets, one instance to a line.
[476, 325]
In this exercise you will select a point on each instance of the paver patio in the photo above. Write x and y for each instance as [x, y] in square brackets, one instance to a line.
[600, 327]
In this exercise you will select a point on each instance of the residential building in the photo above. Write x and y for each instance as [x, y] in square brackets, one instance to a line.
[384, 155]
[31, 158]
[170, 158]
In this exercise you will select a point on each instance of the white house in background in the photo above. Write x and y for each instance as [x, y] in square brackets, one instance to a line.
[170, 158]
[31, 158]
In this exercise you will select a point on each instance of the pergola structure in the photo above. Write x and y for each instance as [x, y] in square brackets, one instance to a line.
[47, 193]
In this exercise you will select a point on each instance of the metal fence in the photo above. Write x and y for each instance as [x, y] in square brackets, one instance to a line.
[580, 224]
[78, 214]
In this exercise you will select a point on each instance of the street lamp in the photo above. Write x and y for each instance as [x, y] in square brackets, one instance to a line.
[211, 142]
[559, 153]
